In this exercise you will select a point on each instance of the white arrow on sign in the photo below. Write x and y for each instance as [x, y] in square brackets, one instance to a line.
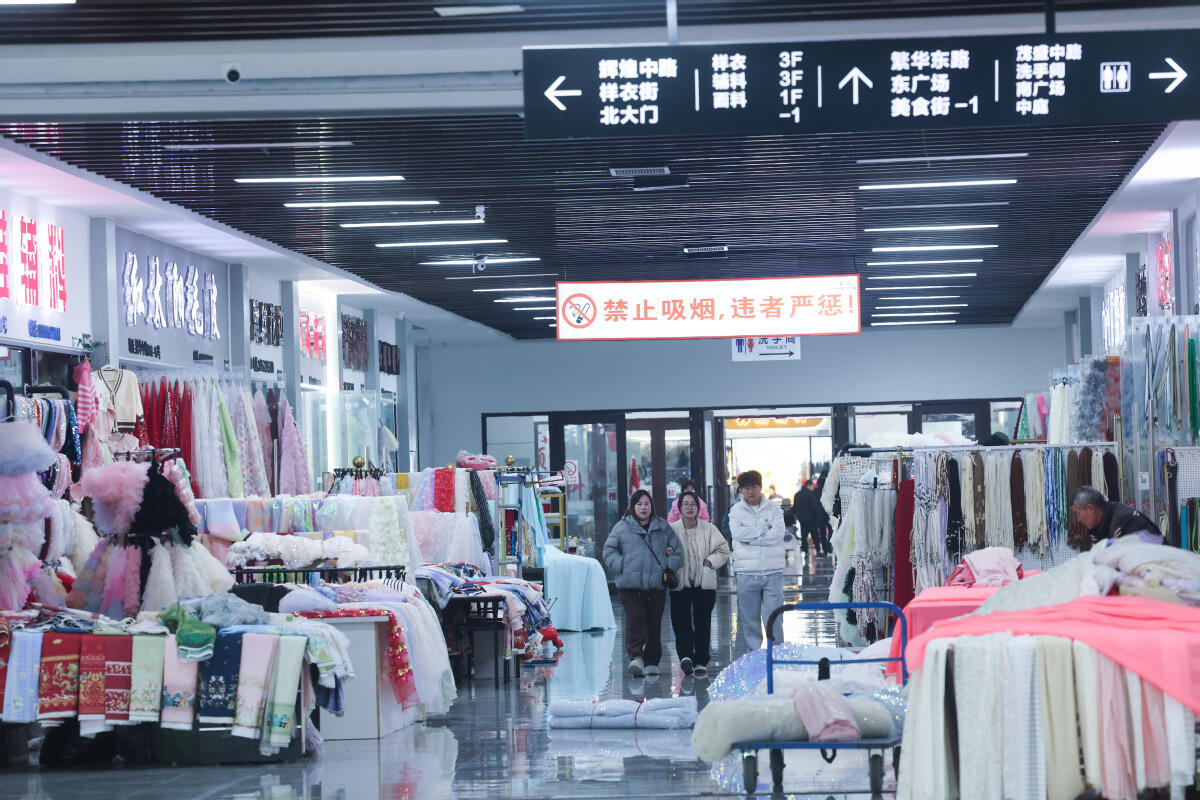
[1176, 75]
[855, 75]
[553, 93]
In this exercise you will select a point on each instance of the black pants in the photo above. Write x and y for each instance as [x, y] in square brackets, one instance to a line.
[643, 623]
[817, 534]
[691, 617]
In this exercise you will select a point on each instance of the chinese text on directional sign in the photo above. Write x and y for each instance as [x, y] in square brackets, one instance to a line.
[822, 305]
[1141, 76]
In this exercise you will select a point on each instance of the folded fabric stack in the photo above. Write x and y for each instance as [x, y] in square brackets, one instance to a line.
[614, 745]
[659, 713]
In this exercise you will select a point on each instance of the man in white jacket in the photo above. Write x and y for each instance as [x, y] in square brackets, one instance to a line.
[758, 559]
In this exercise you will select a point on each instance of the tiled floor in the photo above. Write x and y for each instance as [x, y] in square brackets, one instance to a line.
[496, 743]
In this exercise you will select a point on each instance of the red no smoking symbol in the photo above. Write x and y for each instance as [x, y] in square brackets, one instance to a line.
[579, 311]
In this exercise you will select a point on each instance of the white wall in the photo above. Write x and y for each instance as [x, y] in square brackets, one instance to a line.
[459, 384]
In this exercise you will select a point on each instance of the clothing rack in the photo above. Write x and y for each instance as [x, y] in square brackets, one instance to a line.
[148, 454]
[30, 390]
[244, 575]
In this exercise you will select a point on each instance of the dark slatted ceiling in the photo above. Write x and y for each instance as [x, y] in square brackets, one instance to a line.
[783, 205]
[180, 20]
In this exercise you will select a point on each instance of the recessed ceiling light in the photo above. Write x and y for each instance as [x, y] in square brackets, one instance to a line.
[930, 305]
[323, 179]
[918, 314]
[542, 318]
[920, 277]
[489, 260]
[915, 288]
[925, 248]
[519, 289]
[524, 300]
[910, 159]
[903, 228]
[930, 261]
[553, 325]
[500, 276]
[467, 11]
[446, 243]
[412, 223]
[535, 308]
[187, 148]
[919, 296]
[989, 203]
[362, 203]
[919, 322]
[37, 2]
[939, 184]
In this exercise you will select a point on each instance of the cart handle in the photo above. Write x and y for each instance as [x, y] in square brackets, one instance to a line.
[892, 607]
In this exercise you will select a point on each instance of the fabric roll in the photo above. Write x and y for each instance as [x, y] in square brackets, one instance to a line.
[254, 672]
[1116, 755]
[1020, 527]
[5, 654]
[482, 508]
[978, 473]
[1154, 737]
[966, 483]
[118, 658]
[58, 687]
[905, 507]
[146, 677]
[21, 680]
[279, 720]
[1180, 722]
[978, 667]
[219, 680]
[443, 489]
[926, 770]
[1056, 674]
[91, 685]
[1133, 696]
[179, 688]
[1024, 749]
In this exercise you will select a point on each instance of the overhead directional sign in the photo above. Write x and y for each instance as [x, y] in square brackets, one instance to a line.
[876, 84]
[766, 349]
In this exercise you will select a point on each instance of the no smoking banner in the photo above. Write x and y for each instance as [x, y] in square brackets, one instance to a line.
[579, 311]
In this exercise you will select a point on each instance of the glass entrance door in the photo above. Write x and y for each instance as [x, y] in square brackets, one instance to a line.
[588, 451]
[659, 459]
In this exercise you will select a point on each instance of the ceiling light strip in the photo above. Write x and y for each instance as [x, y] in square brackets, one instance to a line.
[938, 184]
[918, 159]
[906, 228]
[498, 277]
[928, 248]
[518, 289]
[918, 314]
[915, 288]
[323, 179]
[362, 203]
[928, 305]
[918, 322]
[921, 277]
[188, 148]
[925, 261]
[489, 260]
[535, 308]
[911, 206]
[918, 297]
[444, 243]
[413, 223]
[524, 300]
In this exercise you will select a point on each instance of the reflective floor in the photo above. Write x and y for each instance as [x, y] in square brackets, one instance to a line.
[496, 743]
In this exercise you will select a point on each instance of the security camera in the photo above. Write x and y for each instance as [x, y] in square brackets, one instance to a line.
[232, 72]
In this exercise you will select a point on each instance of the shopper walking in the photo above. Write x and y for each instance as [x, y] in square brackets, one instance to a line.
[642, 554]
[673, 515]
[704, 552]
[810, 517]
[758, 560]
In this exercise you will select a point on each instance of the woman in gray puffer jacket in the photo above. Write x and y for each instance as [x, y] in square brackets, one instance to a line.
[639, 548]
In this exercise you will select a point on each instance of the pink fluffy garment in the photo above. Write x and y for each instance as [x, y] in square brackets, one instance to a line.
[23, 498]
[22, 449]
[116, 490]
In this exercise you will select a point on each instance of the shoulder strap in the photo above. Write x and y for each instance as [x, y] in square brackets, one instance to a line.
[646, 541]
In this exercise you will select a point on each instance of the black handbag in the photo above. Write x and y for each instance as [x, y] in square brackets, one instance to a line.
[670, 579]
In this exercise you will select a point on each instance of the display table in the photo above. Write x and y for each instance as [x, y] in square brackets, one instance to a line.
[371, 708]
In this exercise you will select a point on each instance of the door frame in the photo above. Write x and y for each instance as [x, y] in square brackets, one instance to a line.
[658, 426]
[558, 449]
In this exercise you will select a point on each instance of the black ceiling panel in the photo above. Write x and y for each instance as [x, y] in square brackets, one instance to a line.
[782, 205]
[196, 20]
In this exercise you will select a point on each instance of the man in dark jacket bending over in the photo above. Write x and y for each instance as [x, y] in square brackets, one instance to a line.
[1105, 520]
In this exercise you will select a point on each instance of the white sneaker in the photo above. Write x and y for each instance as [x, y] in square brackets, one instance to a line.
[637, 668]
[652, 669]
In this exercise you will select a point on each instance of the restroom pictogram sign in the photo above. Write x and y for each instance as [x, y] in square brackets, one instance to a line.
[579, 311]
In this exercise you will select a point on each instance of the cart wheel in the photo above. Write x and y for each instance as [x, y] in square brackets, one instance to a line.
[876, 773]
[777, 772]
[750, 772]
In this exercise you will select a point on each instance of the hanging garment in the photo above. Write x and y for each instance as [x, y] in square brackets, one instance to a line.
[58, 692]
[966, 482]
[179, 688]
[1024, 747]
[1035, 501]
[902, 580]
[978, 475]
[1055, 669]
[954, 510]
[187, 442]
[146, 678]
[295, 476]
[978, 682]
[254, 672]
[1020, 525]
[1076, 532]
[219, 680]
[1112, 477]
[118, 657]
[229, 446]
[86, 401]
[262, 425]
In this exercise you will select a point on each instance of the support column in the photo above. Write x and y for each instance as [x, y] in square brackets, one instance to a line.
[1070, 323]
[1084, 318]
[239, 317]
[289, 299]
[1133, 262]
[1182, 277]
[105, 292]
[406, 397]
[371, 380]
[1097, 303]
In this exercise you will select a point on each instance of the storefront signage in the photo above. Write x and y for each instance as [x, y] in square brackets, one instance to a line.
[312, 335]
[823, 305]
[201, 358]
[766, 349]
[877, 84]
[140, 347]
[175, 297]
[773, 423]
[1165, 273]
[389, 358]
[266, 323]
[29, 287]
[262, 365]
[354, 342]
[37, 330]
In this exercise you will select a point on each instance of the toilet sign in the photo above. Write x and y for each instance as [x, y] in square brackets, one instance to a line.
[766, 349]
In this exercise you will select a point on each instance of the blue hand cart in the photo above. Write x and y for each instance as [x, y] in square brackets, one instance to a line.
[876, 747]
